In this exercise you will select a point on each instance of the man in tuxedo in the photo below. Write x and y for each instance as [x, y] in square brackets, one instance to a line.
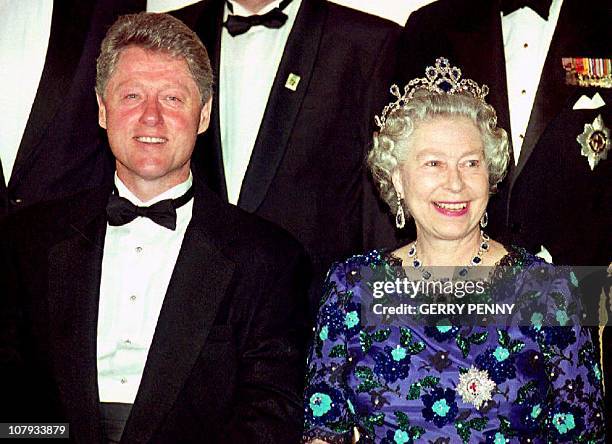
[299, 83]
[152, 312]
[50, 143]
[555, 200]
[557, 197]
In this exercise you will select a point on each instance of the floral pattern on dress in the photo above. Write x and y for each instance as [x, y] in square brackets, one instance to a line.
[398, 384]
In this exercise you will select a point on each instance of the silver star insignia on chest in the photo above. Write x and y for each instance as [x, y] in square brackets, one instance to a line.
[595, 141]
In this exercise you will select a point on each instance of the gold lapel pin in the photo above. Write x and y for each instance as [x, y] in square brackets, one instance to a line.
[292, 82]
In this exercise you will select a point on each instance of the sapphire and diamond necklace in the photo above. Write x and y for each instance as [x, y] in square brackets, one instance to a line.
[476, 260]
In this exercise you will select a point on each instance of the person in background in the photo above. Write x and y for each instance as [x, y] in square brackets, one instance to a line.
[50, 143]
[298, 84]
[437, 157]
[549, 66]
[151, 311]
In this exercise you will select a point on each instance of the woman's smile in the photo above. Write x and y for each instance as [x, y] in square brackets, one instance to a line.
[452, 209]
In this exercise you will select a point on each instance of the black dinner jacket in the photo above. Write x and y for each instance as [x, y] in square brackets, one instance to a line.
[226, 362]
[551, 197]
[63, 150]
[306, 171]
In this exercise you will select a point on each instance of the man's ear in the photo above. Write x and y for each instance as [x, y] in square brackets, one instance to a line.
[101, 111]
[205, 116]
[398, 184]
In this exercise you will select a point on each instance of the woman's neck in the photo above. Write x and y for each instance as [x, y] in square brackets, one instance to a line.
[434, 251]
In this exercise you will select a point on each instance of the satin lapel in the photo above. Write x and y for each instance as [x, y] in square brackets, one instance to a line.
[284, 104]
[213, 155]
[569, 40]
[196, 289]
[206, 19]
[69, 25]
[75, 266]
[3, 190]
[479, 48]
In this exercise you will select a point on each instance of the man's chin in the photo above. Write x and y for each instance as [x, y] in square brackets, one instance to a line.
[155, 173]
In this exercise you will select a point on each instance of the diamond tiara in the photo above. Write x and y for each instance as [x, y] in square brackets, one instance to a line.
[440, 79]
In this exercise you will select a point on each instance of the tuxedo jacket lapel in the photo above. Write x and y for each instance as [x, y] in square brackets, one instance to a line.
[195, 291]
[206, 19]
[213, 155]
[2, 182]
[570, 39]
[482, 29]
[283, 104]
[69, 26]
[75, 266]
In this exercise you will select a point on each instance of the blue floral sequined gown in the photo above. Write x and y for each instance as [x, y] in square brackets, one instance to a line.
[400, 385]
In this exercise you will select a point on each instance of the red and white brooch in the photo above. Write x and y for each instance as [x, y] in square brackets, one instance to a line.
[475, 386]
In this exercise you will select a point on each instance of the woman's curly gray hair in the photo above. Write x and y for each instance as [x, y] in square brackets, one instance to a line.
[391, 144]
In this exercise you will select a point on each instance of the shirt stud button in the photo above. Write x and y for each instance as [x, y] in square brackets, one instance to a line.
[138, 249]
[133, 298]
[123, 380]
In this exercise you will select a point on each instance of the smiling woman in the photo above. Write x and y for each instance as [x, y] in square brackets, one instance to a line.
[450, 140]
[438, 156]
[444, 179]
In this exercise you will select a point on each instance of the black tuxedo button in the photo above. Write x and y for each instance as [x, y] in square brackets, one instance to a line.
[515, 227]
[15, 201]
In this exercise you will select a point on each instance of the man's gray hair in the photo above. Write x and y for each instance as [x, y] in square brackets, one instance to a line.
[393, 142]
[155, 32]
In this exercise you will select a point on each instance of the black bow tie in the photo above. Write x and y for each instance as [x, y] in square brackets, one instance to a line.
[540, 6]
[121, 211]
[237, 24]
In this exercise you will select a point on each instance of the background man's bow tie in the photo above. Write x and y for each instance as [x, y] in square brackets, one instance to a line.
[121, 211]
[542, 7]
[276, 18]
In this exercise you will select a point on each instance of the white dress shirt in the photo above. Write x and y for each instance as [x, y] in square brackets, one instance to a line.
[527, 37]
[137, 264]
[25, 27]
[247, 68]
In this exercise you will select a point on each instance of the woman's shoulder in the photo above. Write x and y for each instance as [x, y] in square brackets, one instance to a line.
[519, 263]
[519, 256]
[355, 265]
[347, 281]
[520, 274]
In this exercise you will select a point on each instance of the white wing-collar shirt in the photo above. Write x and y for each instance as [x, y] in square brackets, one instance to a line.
[247, 70]
[138, 261]
[527, 38]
